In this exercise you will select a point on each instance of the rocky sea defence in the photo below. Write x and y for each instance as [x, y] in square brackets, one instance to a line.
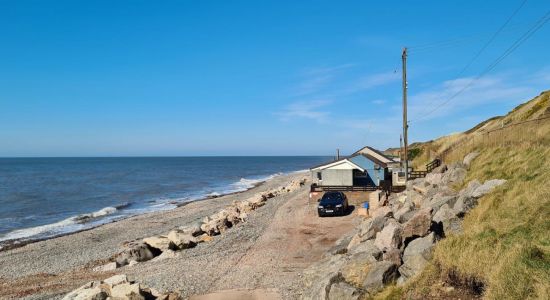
[394, 243]
[170, 245]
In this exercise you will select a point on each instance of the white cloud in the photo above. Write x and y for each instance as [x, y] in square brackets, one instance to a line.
[372, 81]
[315, 79]
[378, 101]
[305, 109]
[435, 103]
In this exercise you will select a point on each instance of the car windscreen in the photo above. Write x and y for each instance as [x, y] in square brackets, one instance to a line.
[331, 197]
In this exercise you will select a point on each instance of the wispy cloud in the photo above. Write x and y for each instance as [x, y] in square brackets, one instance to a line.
[305, 109]
[372, 81]
[378, 101]
[432, 103]
[316, 79]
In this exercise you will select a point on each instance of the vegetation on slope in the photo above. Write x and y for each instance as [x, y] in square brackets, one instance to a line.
[504, 251]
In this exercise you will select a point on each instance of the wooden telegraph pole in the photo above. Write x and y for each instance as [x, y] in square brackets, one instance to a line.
[405, 125]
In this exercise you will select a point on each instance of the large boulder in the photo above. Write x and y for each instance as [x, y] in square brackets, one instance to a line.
[389, 237]
[441, 169]
[469, 158]
[401, 213]
[416, 256]
[356, 269]
[434, 178]
[215, 225]
[136, 251]
[393, 255]
[420, 246]
[418, 225]
[469, 189]
[319, 277]
[127, 291]
[366, 247]
[343, 291]
[384, 211]
[89, 291]
[415, 197]
[487, 187]
[370, 227]
[159, 242]
[448, 221]
[193, 229]
[380, 274]
[181, 239]
[454, 175]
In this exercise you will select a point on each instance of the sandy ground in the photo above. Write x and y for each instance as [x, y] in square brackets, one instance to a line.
[266, 254]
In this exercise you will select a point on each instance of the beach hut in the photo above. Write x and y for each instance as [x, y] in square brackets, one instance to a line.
[363, 170]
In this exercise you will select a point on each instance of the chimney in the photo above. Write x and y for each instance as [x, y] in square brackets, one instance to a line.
[337, 154]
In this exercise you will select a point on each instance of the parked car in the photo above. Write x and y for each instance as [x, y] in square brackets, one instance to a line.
[333, 203]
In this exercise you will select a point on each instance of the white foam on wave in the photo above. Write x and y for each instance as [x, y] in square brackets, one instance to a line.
[71, 224]
[245, 183]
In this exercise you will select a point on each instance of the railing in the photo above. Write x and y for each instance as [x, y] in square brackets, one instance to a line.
[337, 188]
[417, 174]
[434, 164]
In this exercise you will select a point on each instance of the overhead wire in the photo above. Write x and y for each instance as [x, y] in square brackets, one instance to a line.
[537, 26]
[479, 52]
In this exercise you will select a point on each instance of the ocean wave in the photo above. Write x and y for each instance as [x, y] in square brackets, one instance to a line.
[67, 225]
[110, 213]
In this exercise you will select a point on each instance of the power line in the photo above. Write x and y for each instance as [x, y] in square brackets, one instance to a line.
[489, 68]
[500, 29]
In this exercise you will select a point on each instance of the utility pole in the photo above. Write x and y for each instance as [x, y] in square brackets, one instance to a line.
[405, 125]
[401, 150]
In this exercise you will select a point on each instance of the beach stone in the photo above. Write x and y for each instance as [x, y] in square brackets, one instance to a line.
[389, 237]
[106, 267]
[138, 251]
[343, 291]
[469, 158]
[181, 240]
[115, 280]
[380, 274]
[127, 291]
[245, 207]
[159, 242]
[487, 187]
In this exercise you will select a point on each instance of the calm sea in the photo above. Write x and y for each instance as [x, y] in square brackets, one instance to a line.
[45, 197]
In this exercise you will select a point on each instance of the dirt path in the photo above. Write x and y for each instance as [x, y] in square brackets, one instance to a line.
[296, 238]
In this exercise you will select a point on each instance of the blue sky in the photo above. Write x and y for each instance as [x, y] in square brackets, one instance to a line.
[111, 78]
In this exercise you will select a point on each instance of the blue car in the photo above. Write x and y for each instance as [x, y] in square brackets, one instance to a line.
[333, 204]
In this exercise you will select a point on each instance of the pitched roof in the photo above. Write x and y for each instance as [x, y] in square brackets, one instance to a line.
[354, 162]
[383, 156]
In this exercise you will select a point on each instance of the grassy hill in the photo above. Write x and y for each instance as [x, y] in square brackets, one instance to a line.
[504, 252]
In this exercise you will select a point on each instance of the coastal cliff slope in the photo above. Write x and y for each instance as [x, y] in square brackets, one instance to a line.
[504, 249]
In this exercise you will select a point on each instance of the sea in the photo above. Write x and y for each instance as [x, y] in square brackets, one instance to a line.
[46, 197]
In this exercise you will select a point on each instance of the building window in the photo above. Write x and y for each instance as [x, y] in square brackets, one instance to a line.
[319, 176]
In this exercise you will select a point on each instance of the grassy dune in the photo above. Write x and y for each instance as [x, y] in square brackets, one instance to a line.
[504, 252]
